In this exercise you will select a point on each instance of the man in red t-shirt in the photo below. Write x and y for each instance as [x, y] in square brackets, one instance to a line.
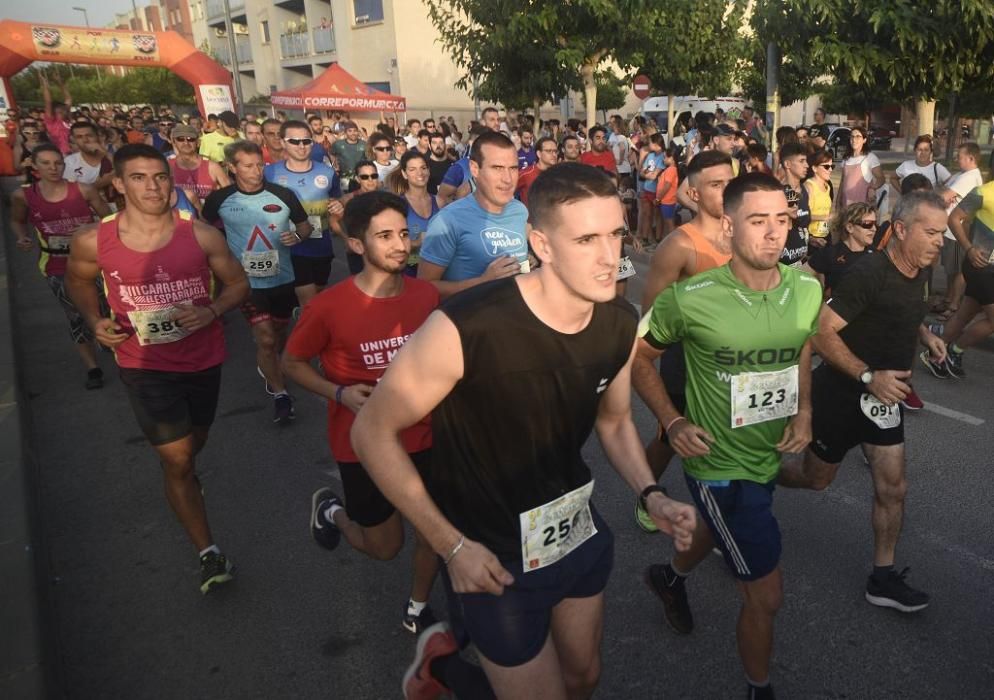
[599, 156]
[355, 328]
[547, 155]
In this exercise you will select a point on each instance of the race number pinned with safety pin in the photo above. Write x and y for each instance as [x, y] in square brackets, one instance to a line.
[881, 414]
[761, 396]
[157, 326]
[553, 530]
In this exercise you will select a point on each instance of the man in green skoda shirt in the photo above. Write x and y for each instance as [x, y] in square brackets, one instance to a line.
[745, 329]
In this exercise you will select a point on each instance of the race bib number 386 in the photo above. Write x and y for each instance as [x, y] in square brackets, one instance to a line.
[156, 327]
[761, 396]
[553, 530]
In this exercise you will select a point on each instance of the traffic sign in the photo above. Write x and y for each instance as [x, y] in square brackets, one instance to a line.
[641, 86]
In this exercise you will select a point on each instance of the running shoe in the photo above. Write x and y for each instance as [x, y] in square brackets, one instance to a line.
[912, 402]
[324, 531]
[892, 592]
[416, 624]
[939, 369]
[94, 378]
[434, 642]
[642, 518]
[954, 363]
[283, 409]
[755, 692]
[269, 389]
[215, 569]
[676, 609]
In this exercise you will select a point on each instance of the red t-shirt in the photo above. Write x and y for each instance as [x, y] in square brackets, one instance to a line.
[356, 336]
[604, 159]
[525, 180]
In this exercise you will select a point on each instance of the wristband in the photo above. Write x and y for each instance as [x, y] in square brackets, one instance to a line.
[338, 393]
[670, 424]
[649, 490]
[455, 550]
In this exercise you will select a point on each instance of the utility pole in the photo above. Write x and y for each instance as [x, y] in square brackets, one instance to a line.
[236, 76]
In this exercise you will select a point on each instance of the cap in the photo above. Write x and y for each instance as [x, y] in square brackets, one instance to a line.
[184, 130]
[724, 130]
[229, 118]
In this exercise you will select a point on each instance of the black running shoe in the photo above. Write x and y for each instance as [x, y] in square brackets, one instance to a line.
[755, 692]
[324, 532]
[283, 409]
[674, 597]
[416, 624]
[94, 378]
[939, 369]
[215, 569]
[892, 592]
[954, 364]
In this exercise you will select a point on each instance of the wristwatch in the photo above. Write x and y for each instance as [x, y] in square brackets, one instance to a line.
[866, 376]
[647, 491]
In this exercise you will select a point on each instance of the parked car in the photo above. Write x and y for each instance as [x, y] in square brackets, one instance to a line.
[880, 137]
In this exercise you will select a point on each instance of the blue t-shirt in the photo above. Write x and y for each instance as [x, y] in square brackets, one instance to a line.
[318, 153]
[417, 225]
[314, 189]
[458, 173]
[253, 222]
[653, 161]
[464, 238]
[526, 157]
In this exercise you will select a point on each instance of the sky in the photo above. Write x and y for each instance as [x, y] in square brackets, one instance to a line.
[100, 12]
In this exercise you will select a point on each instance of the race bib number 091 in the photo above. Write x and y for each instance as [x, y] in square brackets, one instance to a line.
[761, 396]
[262, 264]
[882, 415]
[553, 530]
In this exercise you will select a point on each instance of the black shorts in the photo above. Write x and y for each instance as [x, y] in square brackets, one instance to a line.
[364, 503]
[307, 270]
[673, 370]
[838, 420]
[169, 405]
[979, 283]
[270, 304]
[511, 629]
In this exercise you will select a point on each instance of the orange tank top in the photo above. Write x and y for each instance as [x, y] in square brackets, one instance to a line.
[708, 257]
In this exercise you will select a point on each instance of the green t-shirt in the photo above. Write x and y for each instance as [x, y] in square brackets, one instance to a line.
[728, 329]
[212, 145]
[348, 154]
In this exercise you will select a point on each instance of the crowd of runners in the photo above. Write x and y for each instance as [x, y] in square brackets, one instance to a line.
[483, 334]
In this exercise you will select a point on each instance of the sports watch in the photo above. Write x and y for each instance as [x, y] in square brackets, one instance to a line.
[647, 491]
[866, 376]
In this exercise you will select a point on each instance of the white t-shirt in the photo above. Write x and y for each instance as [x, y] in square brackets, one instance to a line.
[620, 146]
[962, 183]
[866, 164]
[931, 171]
[78, 170]
[385, 170]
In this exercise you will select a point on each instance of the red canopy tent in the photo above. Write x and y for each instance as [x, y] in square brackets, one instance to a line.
[335, 88]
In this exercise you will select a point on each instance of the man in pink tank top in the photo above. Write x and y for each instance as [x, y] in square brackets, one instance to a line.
[158, 267]
[55, 208]
[692, 248]
[195, 175]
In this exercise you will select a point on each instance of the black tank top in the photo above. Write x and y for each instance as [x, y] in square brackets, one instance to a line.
[508, 437]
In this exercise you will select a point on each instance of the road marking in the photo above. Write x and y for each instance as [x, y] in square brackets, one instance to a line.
[955, 415]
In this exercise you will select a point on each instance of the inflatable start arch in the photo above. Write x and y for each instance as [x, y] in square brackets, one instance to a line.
[24, 43]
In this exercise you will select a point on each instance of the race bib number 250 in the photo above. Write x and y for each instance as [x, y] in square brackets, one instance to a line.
[553, 530]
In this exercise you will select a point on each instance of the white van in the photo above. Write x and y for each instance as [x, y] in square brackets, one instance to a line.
[657, 108]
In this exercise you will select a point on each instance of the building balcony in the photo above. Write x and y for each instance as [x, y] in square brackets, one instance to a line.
[243, 52]
[215, 11]
[324, 40]
[295, 45]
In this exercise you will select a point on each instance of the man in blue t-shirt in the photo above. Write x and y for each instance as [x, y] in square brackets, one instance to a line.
[458, 181]
[526, 154]
[317, 187]
[484, 236]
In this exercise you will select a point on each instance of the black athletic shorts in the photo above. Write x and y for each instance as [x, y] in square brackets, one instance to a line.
[307, 270]
[270, 304]
[169, 405]
[364, 503]
[841, 418]
[511, 629]
[673, 370]
[979, 283]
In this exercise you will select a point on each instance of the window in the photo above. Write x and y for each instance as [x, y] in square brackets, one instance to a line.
[382, 87]
[264, 31]
[367, 11]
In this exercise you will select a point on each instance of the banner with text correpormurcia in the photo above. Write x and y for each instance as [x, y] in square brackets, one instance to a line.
[216, 99]
[386, 103]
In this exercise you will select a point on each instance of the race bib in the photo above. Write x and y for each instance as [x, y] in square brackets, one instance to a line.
[761, 396]
[58, 245]
[156, 327]
[525, 266]
[551, 531]
[882, 415]
[626, 268]
[262, 264]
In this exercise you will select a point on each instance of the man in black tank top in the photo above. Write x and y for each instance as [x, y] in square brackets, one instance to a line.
[516, 374]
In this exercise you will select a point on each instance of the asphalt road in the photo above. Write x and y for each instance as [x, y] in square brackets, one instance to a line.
[299, 622]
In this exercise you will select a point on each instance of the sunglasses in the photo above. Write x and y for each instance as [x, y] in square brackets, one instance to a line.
[185, 139]
[827, 166]
[30, 133]
[373, 176]
[868, 225]
[381, 148]
[300, 142]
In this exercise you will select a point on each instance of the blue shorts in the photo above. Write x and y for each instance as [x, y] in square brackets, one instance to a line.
[511, 629]
[668, 211]
[740, 518]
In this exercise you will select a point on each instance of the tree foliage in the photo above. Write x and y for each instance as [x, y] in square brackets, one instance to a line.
[157, 86]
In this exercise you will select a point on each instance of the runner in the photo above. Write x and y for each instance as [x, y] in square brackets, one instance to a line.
[482, 237]
[853, 228]
[506, 501]
[56, 208]
[794, 165]
[272, 151]
[745, 329]
[867, 337]
[571, 149]
[548, 155]
[56, 116]
[158, 267]
[259, 218]
[348, 152]
[212, 143]
[410, 181]
[381, 152]
[354, 329]
[195, 175]
[160, 140]
[367, 179]
[694, 247]
[317, 187]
